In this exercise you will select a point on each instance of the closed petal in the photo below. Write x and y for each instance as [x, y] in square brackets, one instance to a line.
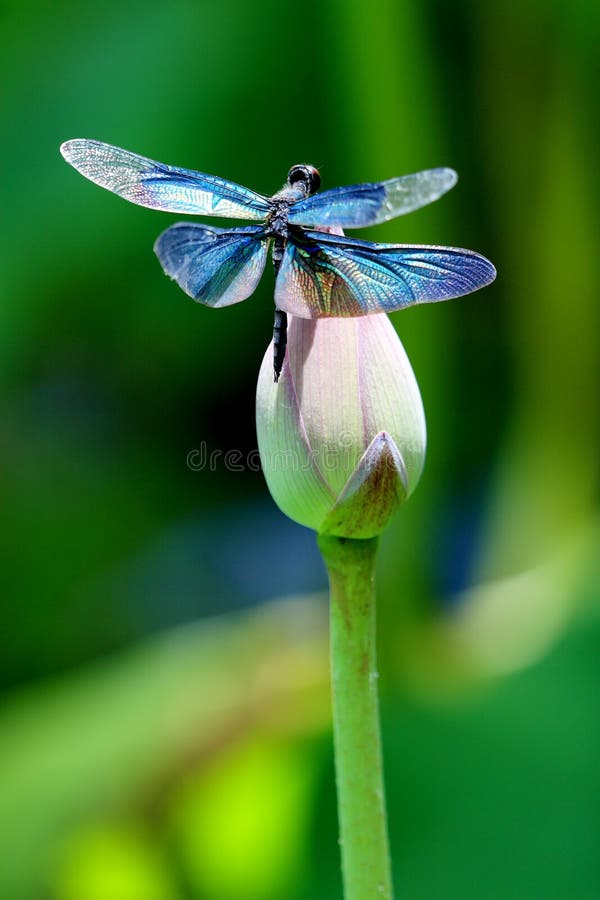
[289, 463]
[390, 396]
[324, 370]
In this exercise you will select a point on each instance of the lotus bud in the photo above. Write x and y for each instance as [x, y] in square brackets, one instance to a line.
[341, 436]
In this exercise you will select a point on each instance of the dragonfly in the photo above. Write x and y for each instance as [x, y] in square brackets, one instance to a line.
[319, 271]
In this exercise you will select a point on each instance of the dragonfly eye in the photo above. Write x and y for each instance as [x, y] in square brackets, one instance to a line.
[306, 174]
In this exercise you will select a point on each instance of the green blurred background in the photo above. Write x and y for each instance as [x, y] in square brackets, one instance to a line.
[164, 727]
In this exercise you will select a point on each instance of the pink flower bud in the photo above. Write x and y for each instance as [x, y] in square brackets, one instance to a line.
[342, 435]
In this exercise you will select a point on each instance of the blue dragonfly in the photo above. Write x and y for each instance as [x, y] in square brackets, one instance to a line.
[318, 272]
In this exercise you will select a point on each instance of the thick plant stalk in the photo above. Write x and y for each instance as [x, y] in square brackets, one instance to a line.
[359, 772]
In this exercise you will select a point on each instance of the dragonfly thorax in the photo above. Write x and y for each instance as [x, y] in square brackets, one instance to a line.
[276, 221]
[302, 181]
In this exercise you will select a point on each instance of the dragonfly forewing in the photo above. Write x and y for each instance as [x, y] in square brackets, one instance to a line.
[359, 205]
[149, 183]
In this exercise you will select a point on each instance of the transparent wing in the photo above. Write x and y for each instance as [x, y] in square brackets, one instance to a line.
[215, 266]
[359, 205]
[149, 183]
[323, 275]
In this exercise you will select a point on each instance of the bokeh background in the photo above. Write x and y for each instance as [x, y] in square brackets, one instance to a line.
[164, 721]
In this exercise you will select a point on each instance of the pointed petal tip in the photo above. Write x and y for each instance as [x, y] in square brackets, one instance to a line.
[376, 488]
[383, 451]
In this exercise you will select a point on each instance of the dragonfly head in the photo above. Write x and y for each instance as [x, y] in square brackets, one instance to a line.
[306, 176]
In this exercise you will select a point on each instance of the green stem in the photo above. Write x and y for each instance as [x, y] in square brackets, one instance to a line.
[359, 772]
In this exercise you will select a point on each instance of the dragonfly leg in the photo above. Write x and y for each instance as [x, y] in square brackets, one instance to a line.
[279, 341]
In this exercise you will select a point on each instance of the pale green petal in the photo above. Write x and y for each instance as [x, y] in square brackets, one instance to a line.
[324, 367]
[390, 397]
[289, 467]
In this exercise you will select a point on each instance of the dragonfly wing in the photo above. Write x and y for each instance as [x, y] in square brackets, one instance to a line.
[359, 205]
[149, 183]
[322, 275]
[215, 266]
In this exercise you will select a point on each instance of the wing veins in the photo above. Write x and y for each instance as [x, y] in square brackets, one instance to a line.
[147, 182]
[374, 264]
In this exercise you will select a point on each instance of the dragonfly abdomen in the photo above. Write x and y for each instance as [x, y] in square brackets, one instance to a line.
[279, 341]
[278, 251]
[280, 323]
